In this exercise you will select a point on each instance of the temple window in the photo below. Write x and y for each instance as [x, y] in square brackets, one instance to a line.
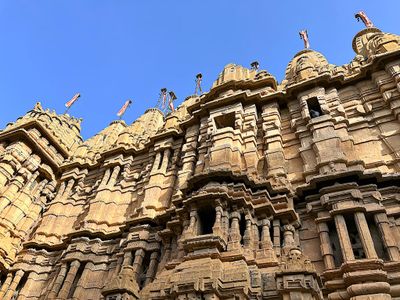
[355, 239]
[206, 219]
[314, 108]
[242, 227]
[224, 121]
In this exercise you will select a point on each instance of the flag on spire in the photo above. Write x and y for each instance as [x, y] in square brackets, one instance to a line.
[124, 108]
[70, 102]
[172, 98]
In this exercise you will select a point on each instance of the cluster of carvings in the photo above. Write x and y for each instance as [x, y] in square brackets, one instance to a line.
[253, 190]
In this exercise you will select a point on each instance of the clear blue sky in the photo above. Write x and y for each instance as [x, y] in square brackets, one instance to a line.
[110, 51]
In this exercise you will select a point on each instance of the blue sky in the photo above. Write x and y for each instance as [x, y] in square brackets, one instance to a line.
[110, 51]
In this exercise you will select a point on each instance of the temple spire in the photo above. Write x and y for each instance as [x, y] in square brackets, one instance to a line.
[364, 18]
[304, 36]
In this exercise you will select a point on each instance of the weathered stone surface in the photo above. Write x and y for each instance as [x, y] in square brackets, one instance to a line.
[253, 190]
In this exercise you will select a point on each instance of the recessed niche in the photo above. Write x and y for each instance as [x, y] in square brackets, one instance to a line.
[224, 121]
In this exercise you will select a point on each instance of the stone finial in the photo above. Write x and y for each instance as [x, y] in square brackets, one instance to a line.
[304, 36]
[364, 18]
[38, 106]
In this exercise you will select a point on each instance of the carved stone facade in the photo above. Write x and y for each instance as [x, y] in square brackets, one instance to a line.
[254, 190]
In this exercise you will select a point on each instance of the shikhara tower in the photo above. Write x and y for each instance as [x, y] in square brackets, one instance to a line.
[254, 190]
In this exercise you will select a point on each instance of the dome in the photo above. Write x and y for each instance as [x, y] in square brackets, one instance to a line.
[372, 41]
[306, 64]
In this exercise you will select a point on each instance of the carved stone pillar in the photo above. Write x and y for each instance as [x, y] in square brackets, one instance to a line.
[151, 272]
[344, 239]
[106, 177]
[166, 158]
[288, 237]
[266, 242]
[193, 224]
[11, 191]
[127, 258]
[30, 287]
[365, 235]
[113, 178]
[6, 285]
[382, 222]
[137, 263]
[217, 228]
[79, 292]
[69, 279]
[326, 248]
[234, 233]
[58, 282]
[277, 236]
[13, 285]
[248, 233]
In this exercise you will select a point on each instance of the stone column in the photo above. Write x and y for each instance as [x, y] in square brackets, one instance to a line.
[382, 222]
[13, 285]
[151, 272]
[30, 286]
[113, 178]
[6, 172]
[217, 228]
[365, 235]
[256, 234]
[106, 177]
[79, 292]
[266, 242]
[277, 236]
[344, 239]
[234, 233]
[326, 248]
[6, 285]
[11, 191]
[69, 279]
[167, 153]
[58, 282]
[137, 263]
[127, 258]
[248, 234]
[192, 228]
[156, 162]
[288, 237]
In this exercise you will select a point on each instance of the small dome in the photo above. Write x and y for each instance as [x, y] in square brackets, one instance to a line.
[305, 65]
[372, 41]
[234, 72]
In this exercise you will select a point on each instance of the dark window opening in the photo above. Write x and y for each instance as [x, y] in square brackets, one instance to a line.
[377, 239]
[355, 239]
[170, 159]
[161, 160]
[143, 269]
[206, 220]
[335, 244]
[20, 286]
[76, 280]
[242, 228]
[3, 277]
[226, 120]
[314, 108]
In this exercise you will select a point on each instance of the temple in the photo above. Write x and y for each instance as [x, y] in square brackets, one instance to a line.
[252, 190]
